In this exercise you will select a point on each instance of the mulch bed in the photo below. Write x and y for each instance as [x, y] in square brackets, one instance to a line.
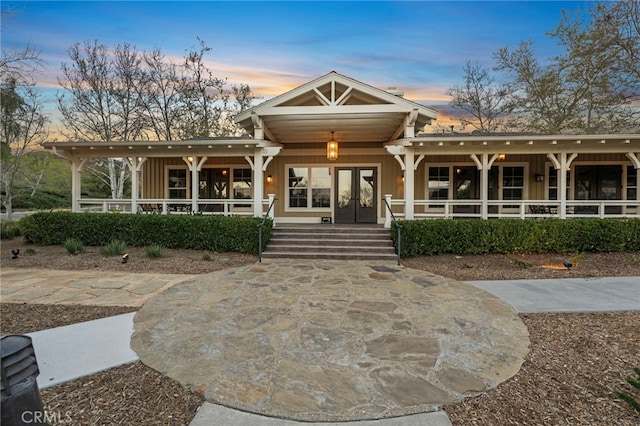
[21, 318]
[132, 394]
[575, 364]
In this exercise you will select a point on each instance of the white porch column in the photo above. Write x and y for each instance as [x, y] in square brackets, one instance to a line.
[194, 166]
[77, 166]
[409, 184]
[484, 186]
[484, 164]
[561, 165]
[135, 164]
[635, 161]
[258, 182]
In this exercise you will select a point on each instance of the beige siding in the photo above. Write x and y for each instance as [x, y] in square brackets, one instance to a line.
[390, 174]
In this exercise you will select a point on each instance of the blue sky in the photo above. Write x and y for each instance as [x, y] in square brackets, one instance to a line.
[420, 47]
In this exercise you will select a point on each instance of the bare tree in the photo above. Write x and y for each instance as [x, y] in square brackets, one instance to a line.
[591, 87]
[160, 95]
[22, 121]
[100, 101]
[204, 96]
[619, 24]
[22, 125]
[596, 65]
[485, 104]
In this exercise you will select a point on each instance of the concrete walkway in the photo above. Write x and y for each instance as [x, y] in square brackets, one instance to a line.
[66, 353]
[568, 295]
[78, 350]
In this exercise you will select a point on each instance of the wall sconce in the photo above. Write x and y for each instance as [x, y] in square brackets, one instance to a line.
[269, 179]
[224, 172]
[190, 159]
[332, 149]
[502, 157]
[539, 177]
[402, 177]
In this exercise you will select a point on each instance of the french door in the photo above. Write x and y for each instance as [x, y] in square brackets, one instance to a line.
[356, 195]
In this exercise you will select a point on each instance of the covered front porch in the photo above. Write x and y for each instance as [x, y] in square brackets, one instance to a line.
[518, 176]
[340, 151]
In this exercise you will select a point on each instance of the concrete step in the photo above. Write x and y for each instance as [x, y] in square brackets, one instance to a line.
[330, 241]
[335, 248]
[325, 255]
[342, 242]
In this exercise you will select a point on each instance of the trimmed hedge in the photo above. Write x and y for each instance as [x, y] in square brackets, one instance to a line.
[199, 232]
[475, 236]
[9, 229]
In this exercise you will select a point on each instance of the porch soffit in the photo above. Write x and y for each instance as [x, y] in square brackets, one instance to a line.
[428, 145]
[214, 147]
[355, 111]
[465, 145]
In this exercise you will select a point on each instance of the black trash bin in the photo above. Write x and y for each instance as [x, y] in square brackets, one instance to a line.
[21, 403]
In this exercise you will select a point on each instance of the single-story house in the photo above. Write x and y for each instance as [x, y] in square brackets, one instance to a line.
[336, 149]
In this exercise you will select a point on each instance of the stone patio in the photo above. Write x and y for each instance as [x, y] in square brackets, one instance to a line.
[330, 340]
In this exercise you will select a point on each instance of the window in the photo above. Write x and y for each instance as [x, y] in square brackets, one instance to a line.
[320, 187]
[632, 183]
[309, 187]
[242, 185]
[177, 183]
[512, 183]
[438, 183]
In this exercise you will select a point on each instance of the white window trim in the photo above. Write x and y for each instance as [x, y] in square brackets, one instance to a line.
[453, 166]
[289, 209]
[168, 167]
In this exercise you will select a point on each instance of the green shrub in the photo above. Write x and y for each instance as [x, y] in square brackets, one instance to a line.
[475, 236]
[73, 246]
[206, 257]
[200, 232]
[9, 229]
[154, 251]
[114, 248]
[633, 399]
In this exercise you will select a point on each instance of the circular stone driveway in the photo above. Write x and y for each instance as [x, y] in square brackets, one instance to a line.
[330, 340]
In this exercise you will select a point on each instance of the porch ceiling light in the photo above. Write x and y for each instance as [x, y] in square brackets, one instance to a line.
[332, 149]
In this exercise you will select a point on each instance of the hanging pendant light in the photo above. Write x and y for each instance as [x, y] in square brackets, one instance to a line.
[332, 149]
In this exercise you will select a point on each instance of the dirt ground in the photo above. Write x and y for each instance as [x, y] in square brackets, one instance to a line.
[575, 364]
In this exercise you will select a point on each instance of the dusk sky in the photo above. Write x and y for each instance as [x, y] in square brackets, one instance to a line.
[420, 47]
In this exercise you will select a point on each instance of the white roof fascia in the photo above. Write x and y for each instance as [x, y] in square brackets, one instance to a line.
[267, 107]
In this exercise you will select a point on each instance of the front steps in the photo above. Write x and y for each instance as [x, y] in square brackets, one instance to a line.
[330, 241]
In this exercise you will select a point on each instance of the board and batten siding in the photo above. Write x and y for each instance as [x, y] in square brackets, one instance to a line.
[390, 174]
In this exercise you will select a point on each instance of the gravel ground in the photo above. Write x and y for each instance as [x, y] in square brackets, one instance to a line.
[575, 364]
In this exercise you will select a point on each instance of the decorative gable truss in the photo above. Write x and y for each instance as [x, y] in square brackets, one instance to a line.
[356, 111]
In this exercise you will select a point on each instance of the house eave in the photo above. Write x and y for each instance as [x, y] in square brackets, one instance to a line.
[524, 144]
[198, 147]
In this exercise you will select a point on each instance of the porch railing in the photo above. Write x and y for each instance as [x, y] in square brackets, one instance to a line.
[398, 227]
[261, 225]
[226, 207]
[520, 209]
